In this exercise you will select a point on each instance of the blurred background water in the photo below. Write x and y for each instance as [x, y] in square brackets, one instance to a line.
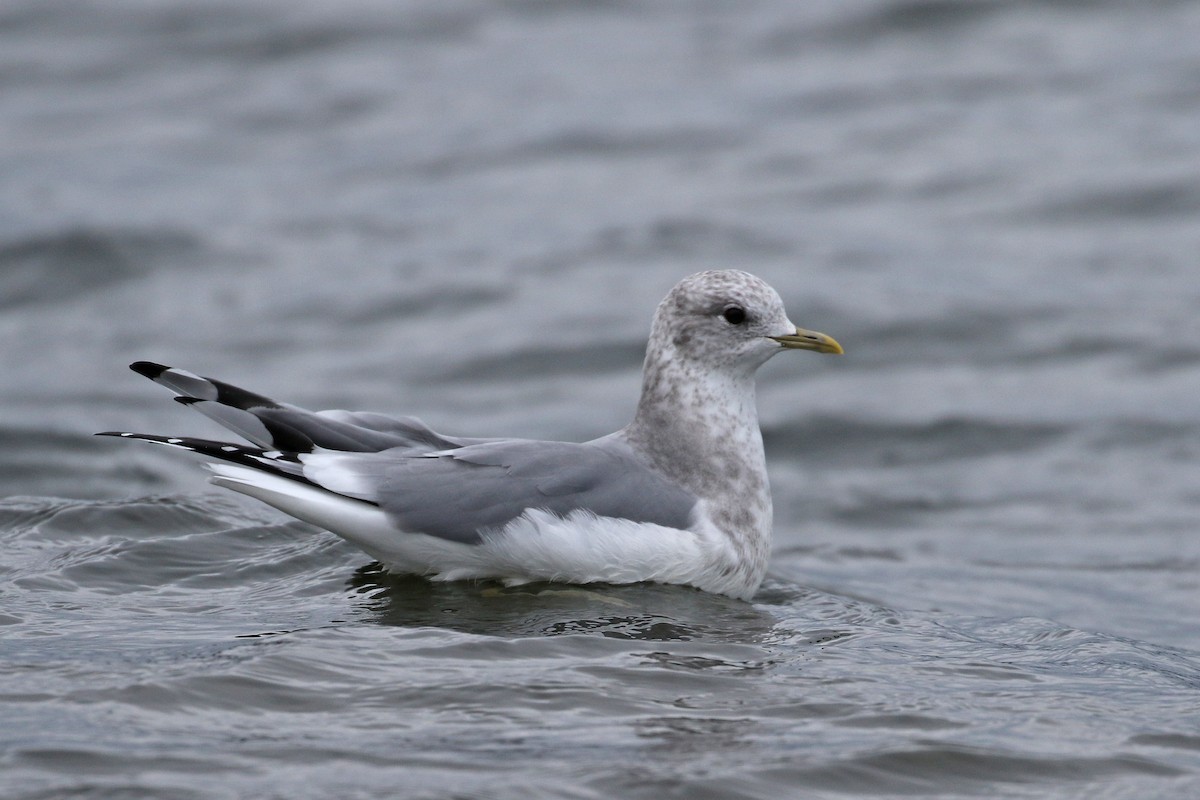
[987, 539]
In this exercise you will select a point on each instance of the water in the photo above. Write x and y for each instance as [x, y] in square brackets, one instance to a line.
[985, 572]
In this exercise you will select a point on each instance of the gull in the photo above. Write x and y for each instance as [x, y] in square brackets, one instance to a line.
[678, 496]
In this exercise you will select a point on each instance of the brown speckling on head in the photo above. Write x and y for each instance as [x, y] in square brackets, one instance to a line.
[696, 420]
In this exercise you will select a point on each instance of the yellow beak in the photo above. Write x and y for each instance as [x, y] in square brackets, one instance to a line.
[810, 340]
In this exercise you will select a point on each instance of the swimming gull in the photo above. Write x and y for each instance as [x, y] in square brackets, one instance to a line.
[678, 496]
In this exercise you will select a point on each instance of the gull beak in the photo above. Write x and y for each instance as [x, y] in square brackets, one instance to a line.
[809, 340]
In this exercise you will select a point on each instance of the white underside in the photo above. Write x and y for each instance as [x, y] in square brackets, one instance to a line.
[537, 546]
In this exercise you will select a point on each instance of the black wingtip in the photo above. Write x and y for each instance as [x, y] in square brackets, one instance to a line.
[148, 368]
[113, 433]
[187, 401]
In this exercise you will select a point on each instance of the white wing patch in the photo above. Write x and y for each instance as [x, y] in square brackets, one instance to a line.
[339, 472]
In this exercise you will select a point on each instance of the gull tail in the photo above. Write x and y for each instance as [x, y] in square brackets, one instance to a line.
[281, 426]
[254, 417]
[277, 479]
[275, 462]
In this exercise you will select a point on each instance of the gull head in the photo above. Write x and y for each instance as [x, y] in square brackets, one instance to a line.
[729, 320]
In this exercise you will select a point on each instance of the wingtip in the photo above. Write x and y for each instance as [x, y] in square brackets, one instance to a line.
[185, 400]
[113, 433]
[148, 369]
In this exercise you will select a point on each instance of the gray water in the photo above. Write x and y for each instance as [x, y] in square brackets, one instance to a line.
[987, 513]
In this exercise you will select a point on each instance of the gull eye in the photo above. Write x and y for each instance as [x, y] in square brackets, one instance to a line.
[735, 315]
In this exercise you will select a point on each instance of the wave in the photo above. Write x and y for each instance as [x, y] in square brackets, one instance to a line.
[837, 440]
[53, 267]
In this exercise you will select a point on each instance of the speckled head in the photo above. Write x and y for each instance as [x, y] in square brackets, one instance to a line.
[729, 319]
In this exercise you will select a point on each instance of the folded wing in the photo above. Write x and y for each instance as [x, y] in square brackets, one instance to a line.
[462, 493]
[451, 488]
[281, 426]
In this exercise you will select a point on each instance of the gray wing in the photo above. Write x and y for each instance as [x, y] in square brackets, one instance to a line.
[280, 426]
[449, 487]
[460, 494]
